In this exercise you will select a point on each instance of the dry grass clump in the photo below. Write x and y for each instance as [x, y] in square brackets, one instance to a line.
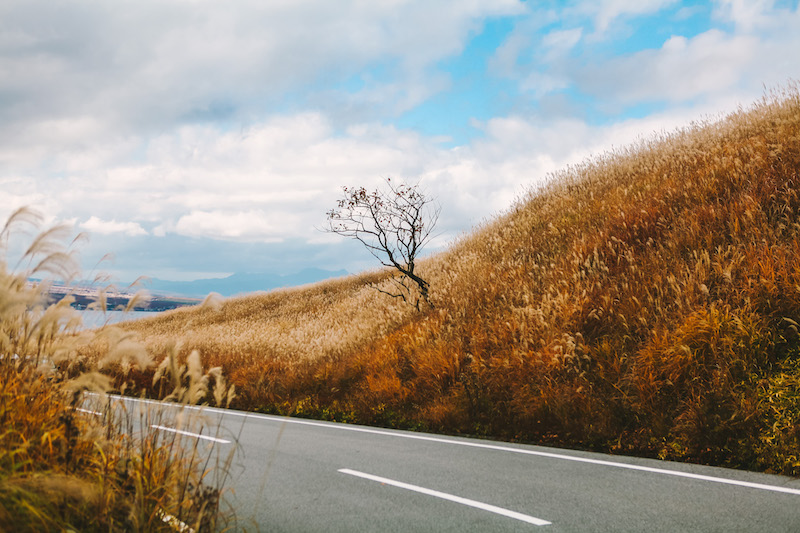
[646, 301]
[260, 340]
[63, 468]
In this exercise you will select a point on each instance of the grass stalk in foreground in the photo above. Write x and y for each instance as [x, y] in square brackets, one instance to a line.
[61, 468]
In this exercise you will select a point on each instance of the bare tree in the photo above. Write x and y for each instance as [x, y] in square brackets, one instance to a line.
[394, 225]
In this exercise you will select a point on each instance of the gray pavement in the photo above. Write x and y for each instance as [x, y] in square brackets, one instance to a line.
[295, 475]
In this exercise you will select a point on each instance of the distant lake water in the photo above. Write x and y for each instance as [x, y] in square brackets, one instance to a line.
[95, 319]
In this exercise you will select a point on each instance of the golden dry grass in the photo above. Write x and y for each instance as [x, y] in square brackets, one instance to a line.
[61, 469]
[646, 301]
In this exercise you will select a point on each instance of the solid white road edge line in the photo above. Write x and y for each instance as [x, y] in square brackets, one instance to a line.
[449, 497]
[190, 434]
[600, 462]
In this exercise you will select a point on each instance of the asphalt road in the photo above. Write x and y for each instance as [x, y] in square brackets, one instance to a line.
[296, 475]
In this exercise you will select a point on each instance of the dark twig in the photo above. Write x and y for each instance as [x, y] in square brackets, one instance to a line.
[393, 225]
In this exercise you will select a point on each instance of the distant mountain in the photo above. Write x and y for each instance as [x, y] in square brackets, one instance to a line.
[240, 283]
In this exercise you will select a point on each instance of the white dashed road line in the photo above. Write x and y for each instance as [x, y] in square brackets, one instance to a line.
[190, 434]
[88, 412]
[449, 497]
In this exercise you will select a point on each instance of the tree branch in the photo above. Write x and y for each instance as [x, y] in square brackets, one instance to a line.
[393, 226]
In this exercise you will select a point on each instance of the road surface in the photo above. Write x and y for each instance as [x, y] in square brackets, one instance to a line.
[296, 475]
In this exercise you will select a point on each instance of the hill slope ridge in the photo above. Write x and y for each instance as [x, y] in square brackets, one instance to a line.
[646, 301]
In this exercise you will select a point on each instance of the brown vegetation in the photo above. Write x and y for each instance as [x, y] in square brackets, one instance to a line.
[644, 302]
[66, 468]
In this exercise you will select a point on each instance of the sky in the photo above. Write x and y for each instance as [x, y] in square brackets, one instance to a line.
[194, 139]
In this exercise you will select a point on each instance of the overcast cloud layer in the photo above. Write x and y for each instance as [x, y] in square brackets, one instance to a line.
[196, 138]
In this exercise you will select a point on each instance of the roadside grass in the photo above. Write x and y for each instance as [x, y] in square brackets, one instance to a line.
[646, 301]
[63, 466]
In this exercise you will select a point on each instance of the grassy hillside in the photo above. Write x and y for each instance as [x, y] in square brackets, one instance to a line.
[646, 302]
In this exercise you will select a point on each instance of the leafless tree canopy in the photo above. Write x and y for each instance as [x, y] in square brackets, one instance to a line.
[394, 225]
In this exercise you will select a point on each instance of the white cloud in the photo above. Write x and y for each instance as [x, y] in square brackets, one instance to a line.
[239, 225]
[505, 59]
[271, 181]
[607, 11]
[107, 227]
[723, 60]
[539, 84]
[562, 41]
[211, 124]
[746, 14]
[274, 183]
[146, 65]
[710, 66]
[682, 69]
[18, 191]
